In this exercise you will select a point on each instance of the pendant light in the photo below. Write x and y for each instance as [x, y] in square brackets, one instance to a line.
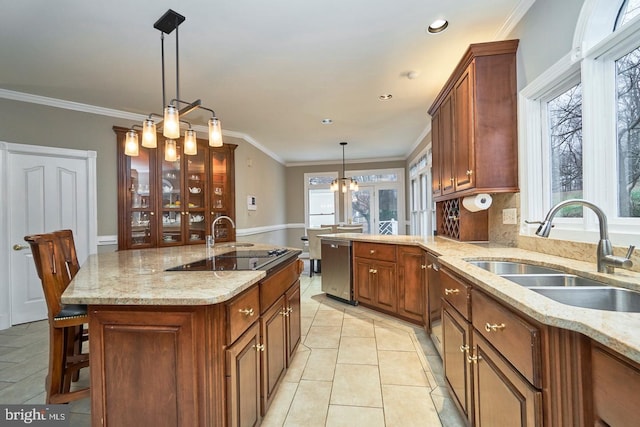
[344, 183]
[171, 119]
[131, 143]
[170, 150]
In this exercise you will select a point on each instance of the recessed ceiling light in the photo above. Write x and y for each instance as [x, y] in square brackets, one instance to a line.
[327, 121]
[413, 75]
[438, 26]
[385, 97]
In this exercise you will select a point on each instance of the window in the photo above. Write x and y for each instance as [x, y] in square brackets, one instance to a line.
[320, 201]
[565, 147]
[628, 127]
[421, 201]
[579, 125]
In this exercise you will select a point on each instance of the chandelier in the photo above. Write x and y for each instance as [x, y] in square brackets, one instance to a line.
[344, 182]
[172, 117]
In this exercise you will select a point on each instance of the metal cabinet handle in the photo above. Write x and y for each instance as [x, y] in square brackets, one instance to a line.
[284, 313]
[469, 172]
[246, 311]
[372, 271]
[19, 247]
[372, 251]
[451, 291]
[495, 327]
[423, 266]
[464, 348]
[473, 359]
[259, 347]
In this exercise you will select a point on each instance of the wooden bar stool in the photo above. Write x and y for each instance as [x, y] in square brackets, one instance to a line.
[64, 320]
[68, 246]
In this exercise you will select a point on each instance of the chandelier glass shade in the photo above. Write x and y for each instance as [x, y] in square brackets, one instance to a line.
[173, 116]
[170, 150]
[343, 184]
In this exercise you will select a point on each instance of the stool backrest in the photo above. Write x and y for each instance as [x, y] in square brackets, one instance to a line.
[69, 252]
[52, 270]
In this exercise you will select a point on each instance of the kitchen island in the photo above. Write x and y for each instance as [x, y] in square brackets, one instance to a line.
[186, 348]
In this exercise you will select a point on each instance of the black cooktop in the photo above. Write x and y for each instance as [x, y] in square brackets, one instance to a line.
[240, 260]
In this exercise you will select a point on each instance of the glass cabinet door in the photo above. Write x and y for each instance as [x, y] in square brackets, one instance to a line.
[140, 200]
[195, 194]
[172, 211]
[219, 194]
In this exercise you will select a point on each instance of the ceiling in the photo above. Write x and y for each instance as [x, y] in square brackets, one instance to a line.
[272, 70]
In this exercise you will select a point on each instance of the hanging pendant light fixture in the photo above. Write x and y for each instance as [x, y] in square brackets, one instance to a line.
[170, 150]
[131, 143]
[171, 119]
[344, 183]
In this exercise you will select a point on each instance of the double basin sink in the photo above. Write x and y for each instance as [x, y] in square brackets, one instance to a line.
[565, 288]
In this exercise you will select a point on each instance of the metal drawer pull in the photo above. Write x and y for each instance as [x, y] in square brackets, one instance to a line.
[495, 327]
[290, 309]
[333, 246]
[451, 291]
[372, 251]
[423, 266]
[246, 311]
[284, 313]
[259, 347]
[464, 348]
[469, 172]
[371, 270]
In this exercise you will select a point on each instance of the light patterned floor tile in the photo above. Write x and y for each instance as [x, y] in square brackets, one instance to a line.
[409, 406]
[401, 368]
[328, 318]
[356, 385]
[388, 338]
[280, 406]
[323, 337]
[310, 404]
[321, 365]
[358, 350]
[357, 327]
[352, 416]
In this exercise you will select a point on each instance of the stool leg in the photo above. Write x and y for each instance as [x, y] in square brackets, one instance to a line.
[56, 363]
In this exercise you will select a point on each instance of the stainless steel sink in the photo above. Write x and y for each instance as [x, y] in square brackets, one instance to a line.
[510, 267]
[551, 280]
[599, 298]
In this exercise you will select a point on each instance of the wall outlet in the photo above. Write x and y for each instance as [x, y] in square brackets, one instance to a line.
[510, 216]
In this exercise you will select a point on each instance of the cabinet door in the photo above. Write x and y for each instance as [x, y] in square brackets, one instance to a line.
[170, 186]
[293, 320]
[411, 282]
[501, 396]
[222, 192]
[456, 342]
[385, 286]
[243, 379]
[195, 196]
[447, 144]
[363, 287]
[274, 356]
[436, 155]
[464, 163]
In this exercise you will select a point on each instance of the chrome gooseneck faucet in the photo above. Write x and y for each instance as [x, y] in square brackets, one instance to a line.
[215, 221]
[606, 260]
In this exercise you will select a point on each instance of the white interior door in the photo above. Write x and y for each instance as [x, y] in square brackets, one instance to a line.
[45, 193]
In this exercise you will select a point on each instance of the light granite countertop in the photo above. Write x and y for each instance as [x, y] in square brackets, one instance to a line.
[616, 330]
[138, 277]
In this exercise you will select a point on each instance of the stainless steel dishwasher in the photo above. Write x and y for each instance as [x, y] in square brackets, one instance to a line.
[337, 274]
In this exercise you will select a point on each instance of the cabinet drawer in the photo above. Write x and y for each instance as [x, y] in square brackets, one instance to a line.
[377, 251]
[274, 286]
[515, 338]
[456, 293]
[242, 311]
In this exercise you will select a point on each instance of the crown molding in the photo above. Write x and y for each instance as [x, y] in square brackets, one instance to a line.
[347, 162]
[513, 19]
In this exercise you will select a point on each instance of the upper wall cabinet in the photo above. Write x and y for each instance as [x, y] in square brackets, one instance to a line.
[474, 134]
[170, 203]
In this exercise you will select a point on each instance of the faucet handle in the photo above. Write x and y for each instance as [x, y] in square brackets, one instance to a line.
[630, 251]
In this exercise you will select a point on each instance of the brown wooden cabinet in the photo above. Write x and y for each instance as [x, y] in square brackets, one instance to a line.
[412, 267]
[168, 203]
[243, 379]
[375, 280]
[476, 125]
[615, 388]
[456, 340]
[293, 320]
[492, 357]
[274, 355]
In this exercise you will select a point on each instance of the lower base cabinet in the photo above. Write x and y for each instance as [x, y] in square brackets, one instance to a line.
[456, 339]
[243, 379]
[501, 396]
[274, 353]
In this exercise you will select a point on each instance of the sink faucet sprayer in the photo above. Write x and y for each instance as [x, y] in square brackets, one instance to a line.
[606, 260]
[215, 221]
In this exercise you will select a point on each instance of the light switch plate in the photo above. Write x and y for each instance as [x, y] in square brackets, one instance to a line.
[510, 216]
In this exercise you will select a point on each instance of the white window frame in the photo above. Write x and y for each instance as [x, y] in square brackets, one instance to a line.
[307, 176]
[421, 201]
[397, 185]
[594, 62]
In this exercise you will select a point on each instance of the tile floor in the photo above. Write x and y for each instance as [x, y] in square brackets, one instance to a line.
[354, 367]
